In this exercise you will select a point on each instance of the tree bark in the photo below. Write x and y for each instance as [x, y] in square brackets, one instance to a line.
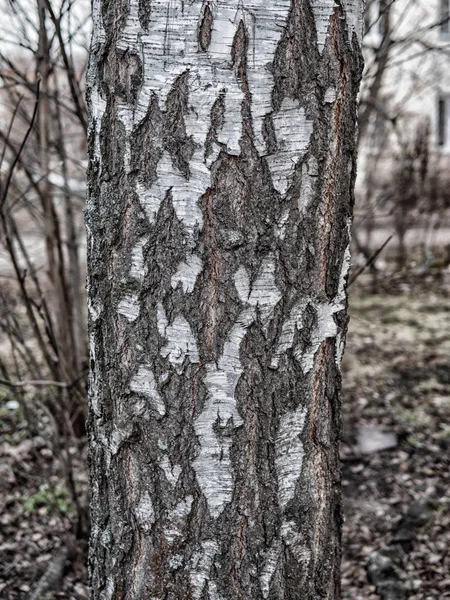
[222, 163]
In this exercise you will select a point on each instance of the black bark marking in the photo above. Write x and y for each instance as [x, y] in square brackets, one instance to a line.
[205, 29]
[167, 243]
[176, 141]
[112, 143]
[145, 12]
[147, 144]
[217, 122]
[295, 67]
[269, 134]
[114, 16]
[239, 46]
[129, 77]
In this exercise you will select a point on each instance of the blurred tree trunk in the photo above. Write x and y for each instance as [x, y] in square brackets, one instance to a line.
[222, 163]
[66, 337]
[370, 103]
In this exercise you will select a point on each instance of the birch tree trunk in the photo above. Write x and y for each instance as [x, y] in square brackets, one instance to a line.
[222, 163]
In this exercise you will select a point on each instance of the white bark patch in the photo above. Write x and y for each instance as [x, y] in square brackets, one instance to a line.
[264, 26]
[124, 115]
[290, 326]
[177, 519]
[94, 309]
[201, 564]
[282, 224]
[108, 593]
[296, 543]
[167, 50]
[322, 9]
[98, 31]
[161, 320]
[145, 513]
[354, 11]
[185, 197]
[325, 325]
[129, 307]
[98, 107]
[175, 562]
[132, 26]
[265, 22]
[330, 95]
[289, 454]
[231, 131]
[242, 284]
[340, 347]
[180, 344]
[289, 536]
[180, 341]
[137, 261]
[162, 445]
[118, 436]
[187, 273]
[213, 465]
[346, 263]
[212, 591]
[185, 194]
[150, 199]
[227, 16]
[264, 292]
[310, 172]
[293, 131]
[94, 388]
[213, 155]
[271, 561]
[144, 383]
[172, 473]
[105, 536]
[170, 48]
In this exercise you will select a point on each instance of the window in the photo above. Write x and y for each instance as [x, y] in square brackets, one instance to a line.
[443, 123]
[444, 16]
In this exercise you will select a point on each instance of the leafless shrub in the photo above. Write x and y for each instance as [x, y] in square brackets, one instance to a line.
[42, 273]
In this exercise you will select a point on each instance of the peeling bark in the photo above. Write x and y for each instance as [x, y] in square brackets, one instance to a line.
[222, 165]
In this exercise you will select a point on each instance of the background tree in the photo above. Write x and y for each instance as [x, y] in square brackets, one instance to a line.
[222, 163]
[404, 91]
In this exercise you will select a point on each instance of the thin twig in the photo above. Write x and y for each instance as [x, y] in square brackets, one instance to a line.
[8, 133]
[369, 261]
[22, 146]
[43, 382]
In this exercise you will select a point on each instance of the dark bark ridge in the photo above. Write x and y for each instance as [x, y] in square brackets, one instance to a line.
[220, 200]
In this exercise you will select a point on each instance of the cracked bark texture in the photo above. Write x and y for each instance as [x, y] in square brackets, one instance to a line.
[222, 165]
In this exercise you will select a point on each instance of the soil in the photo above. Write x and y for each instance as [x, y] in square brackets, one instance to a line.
[396, 379]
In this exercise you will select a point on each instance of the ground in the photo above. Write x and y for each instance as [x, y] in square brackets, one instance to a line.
[396, 395]
[396, 375]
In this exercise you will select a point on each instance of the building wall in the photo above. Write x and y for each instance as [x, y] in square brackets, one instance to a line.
[416, 76]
